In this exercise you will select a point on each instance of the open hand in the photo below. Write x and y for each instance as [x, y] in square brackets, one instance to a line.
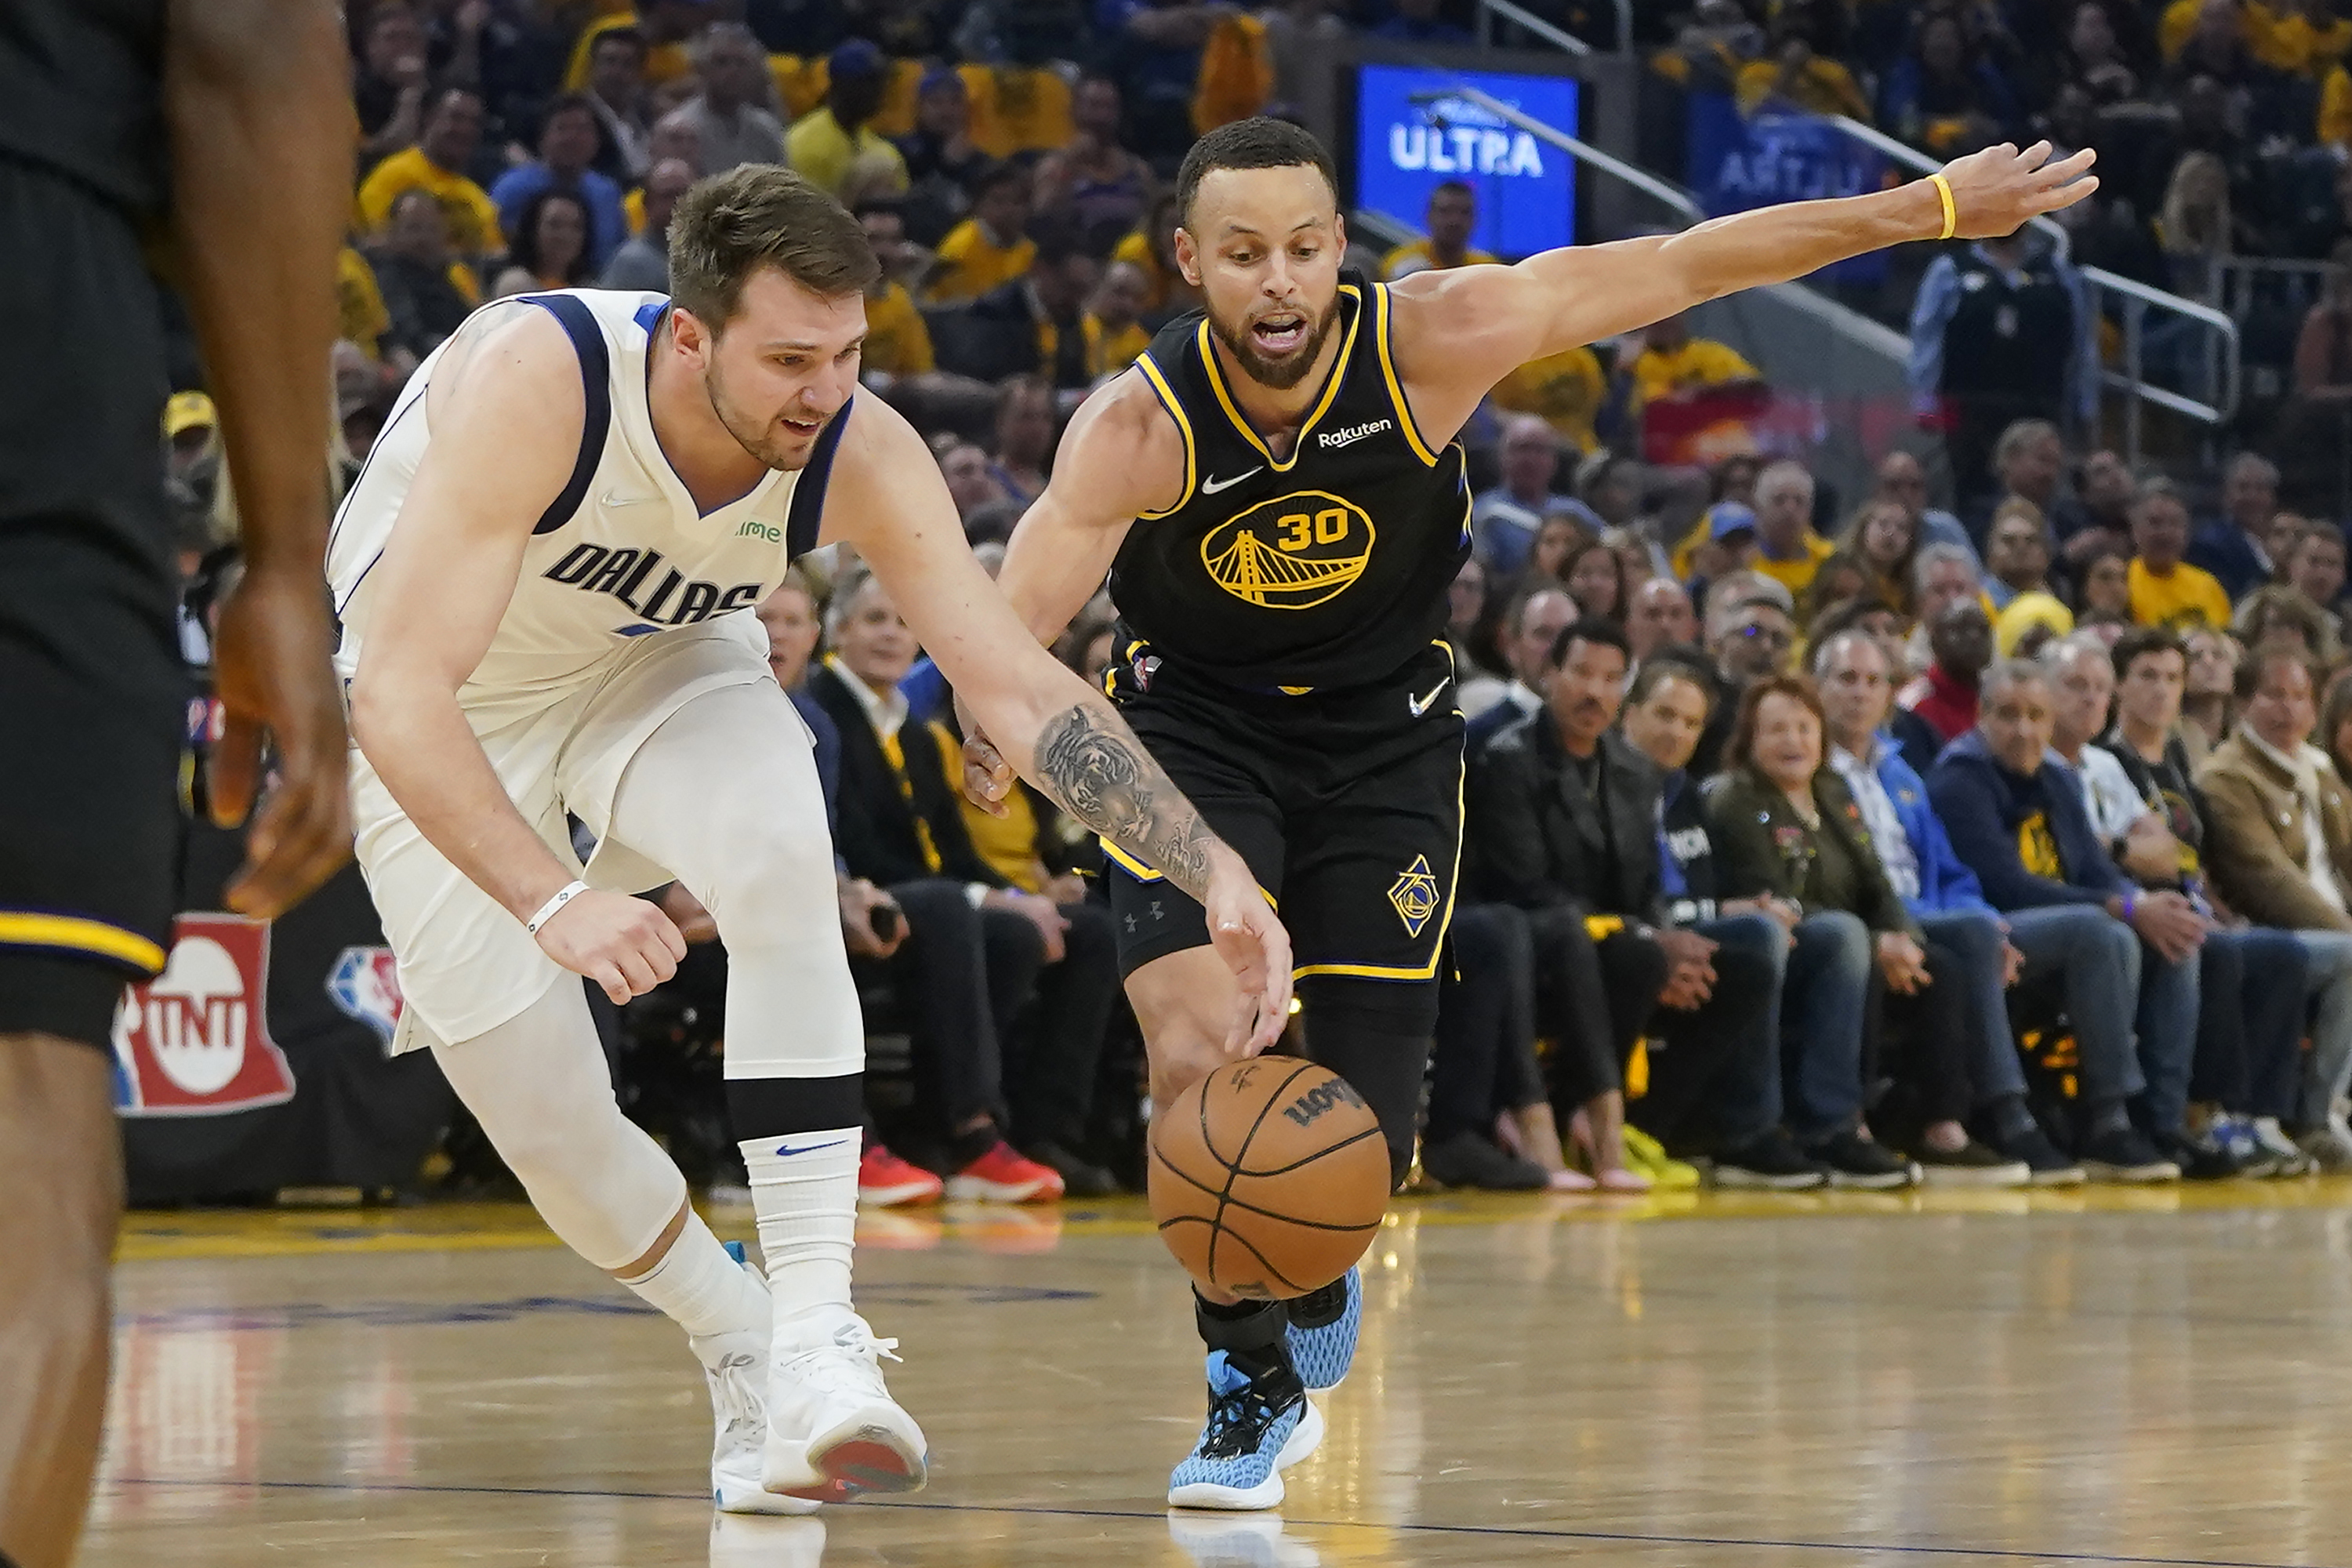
[1252, 941]
[1996, 190]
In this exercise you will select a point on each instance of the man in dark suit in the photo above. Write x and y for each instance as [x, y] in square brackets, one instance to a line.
[978, 947]
[1563, 821]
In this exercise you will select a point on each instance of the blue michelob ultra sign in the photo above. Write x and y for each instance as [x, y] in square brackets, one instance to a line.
[1411, 136]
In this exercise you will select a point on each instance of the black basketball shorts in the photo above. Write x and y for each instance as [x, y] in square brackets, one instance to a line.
[93, 694]
[1346, 804]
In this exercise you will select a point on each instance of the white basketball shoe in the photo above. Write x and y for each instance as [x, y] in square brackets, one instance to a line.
[834, 1431]
[736, 1365]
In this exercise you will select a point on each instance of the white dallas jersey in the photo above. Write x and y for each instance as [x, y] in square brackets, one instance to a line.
[623, 554]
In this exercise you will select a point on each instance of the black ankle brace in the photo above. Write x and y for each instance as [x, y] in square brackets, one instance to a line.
[1317, 1308]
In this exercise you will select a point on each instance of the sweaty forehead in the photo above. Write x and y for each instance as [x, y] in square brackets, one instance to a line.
[1270, 203]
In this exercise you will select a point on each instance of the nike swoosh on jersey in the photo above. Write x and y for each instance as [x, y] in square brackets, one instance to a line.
[1419, 705]
[616, 499]
[1211, 487]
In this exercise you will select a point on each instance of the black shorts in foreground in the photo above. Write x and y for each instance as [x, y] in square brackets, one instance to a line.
[93, 696]
[1346, 804]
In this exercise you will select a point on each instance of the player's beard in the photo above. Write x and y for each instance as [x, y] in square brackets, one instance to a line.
[1276, 374]
[753, 434]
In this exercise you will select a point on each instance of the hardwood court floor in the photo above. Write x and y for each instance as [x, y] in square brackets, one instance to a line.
[1950, 1382]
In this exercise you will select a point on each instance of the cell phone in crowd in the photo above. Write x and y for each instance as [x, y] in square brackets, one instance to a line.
[885, 919]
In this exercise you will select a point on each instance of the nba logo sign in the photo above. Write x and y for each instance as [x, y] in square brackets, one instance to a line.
[364, 985]
[194, 1040]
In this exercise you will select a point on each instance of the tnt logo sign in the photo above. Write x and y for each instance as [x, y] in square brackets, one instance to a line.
[194, 1040]
[365, 986]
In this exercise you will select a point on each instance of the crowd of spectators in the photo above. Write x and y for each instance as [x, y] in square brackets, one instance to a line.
[1987, 837]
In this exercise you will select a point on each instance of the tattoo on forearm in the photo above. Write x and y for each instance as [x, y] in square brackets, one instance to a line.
[1102, 775]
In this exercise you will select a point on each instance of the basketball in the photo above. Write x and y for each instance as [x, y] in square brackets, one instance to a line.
[1268, 1177]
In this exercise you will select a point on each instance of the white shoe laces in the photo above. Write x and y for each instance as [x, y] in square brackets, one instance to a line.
[734, 1391]
[850, 1363]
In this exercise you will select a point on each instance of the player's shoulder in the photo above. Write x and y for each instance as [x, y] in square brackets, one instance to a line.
[1129, 445]
[508, 357]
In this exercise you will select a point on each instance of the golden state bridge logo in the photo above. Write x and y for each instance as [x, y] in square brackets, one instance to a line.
[1292, 553]
[1415, 895]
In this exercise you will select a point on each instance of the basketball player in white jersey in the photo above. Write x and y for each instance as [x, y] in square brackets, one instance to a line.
[546, 575]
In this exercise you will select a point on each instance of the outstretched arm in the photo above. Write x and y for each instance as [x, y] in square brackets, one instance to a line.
[1459, 332]
[887, 500]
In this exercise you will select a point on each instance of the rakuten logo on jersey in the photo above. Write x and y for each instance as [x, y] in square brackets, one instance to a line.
[1347, 434]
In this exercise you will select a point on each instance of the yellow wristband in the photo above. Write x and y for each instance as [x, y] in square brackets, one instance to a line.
[1951, 214]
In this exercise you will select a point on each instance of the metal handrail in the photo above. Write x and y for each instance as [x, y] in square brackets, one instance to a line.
[1549, 32]
[1640, 179]
[2229, 364]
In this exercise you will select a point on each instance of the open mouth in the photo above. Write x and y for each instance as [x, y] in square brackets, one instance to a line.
[1278, 334]
[801, 428]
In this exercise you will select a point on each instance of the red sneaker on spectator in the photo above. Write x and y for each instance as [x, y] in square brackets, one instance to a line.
[885, 1180]
[1003, 1176]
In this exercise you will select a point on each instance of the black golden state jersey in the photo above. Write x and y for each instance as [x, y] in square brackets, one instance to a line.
[1327, 569]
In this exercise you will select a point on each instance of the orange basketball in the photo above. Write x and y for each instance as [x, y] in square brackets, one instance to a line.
[1268, 1177]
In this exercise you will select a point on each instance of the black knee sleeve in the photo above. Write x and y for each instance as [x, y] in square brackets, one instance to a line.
[1375, 1035]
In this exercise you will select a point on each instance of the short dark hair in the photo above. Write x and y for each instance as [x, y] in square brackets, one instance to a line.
[565, 103]
[1456, 187]
[1666, 663]
[1798, 687]
[2141, 641]
[879, 206]
[1255, 143]
[632, 37]
[997, 175]
[729, 225]
[2277, 650]
[1598, 630]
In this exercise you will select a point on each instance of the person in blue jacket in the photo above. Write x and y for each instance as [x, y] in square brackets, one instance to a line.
[2015, 818]
[1854, 671]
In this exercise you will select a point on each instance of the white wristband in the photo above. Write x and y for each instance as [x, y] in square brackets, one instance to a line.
[569, 891]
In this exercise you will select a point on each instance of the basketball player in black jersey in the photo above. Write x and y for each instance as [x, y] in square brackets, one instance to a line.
[214, 136]
[1275, 492]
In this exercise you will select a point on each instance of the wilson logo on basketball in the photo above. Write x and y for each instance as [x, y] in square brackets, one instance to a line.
[1291, 554]
[1320, 1099]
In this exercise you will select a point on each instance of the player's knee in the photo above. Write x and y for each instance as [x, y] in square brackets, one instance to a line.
[1181, 1055]
[777, 877]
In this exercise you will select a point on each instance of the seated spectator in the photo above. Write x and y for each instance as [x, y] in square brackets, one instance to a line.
[1116, 336]
[2016, 819]
[2209, 703]
[2316, 569]
[1024, 438]
[873, 926]
[941, 160]
[729, 118]
[2313, 436]
[549, 247]
[567, 145]
[898, 340]
[1724, 545]
[2002, 332]
[902, 828]
[971, 478]
[1596, 580]
[1788, 551]
[1939, 574]
[1711, 48]
[643, 261]
[1841, 580]
[1562, 817]
[1968, 951]
[390, 82]
[2165, 591]
[1751, 633]
[1094, 186]
[1504, 520]
[1661, 616]
[1883, 536]
[989, 249]
[2149, 856]
[2106, 584]
[2028, 463]
[1943, 96]
[1793, 79]
[2101, 515]
[2249, 1066]
[2280, 542]
[1033, 325]
[452, 135]
[1672, 364]
[1417, 21]
[2094, 57]
[834, 144]
[1941, 705]
[1451, 216]
[1465, 611]
[1153, 247]
[1784, 828]
[2279, 848]
[2016, 553]
[1483, 1071]
[673, 141]
[617, 94]
[1635, 551]
[427, 294]
[1153, 48]
[2033, 621]
[1567, 390]
[1531, 624]
[2235, 546]
[2281, 615]
[1903, 478]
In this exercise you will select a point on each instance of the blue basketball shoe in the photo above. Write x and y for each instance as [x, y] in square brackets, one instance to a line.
[1324, 1346]
[1257, 1427]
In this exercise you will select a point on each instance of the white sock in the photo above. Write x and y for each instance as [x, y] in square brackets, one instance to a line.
[701, 1287]
[805, 1196]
